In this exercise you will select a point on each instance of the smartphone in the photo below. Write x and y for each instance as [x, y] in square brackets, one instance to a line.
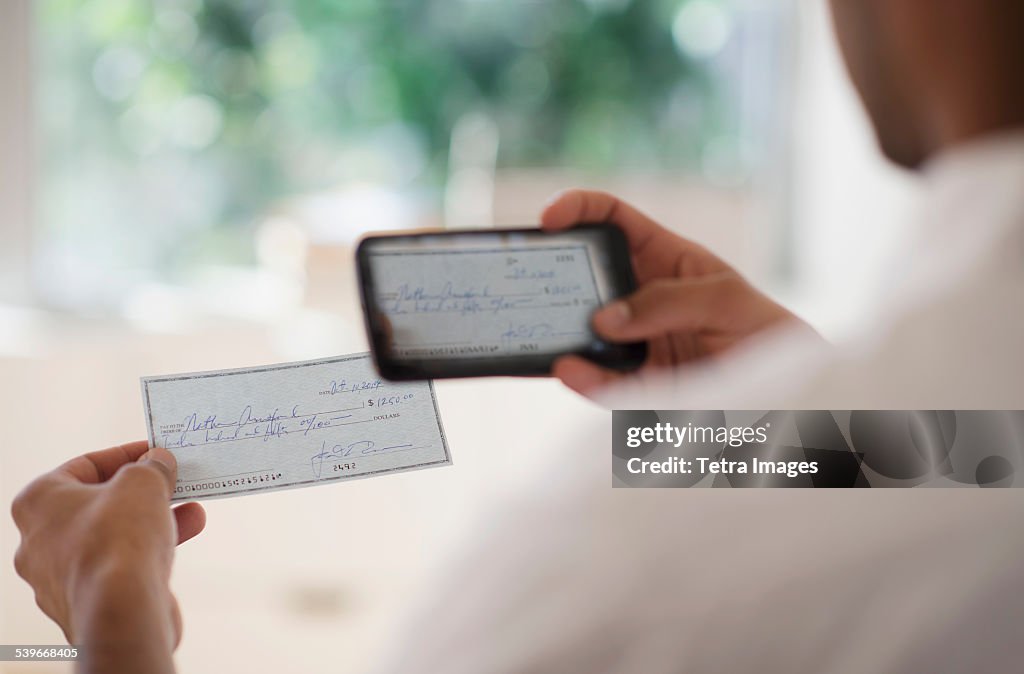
[488, 302]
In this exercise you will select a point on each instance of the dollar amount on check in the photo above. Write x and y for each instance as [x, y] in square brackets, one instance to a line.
[291, 425]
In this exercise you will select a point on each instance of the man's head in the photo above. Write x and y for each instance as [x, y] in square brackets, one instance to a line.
[934, 72]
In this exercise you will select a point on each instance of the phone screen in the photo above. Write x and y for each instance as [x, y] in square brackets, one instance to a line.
[490, 302]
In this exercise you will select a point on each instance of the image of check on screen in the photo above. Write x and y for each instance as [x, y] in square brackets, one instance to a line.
[533, 300]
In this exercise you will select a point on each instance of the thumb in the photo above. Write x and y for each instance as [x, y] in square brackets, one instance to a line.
[671, 305]
[156, 464]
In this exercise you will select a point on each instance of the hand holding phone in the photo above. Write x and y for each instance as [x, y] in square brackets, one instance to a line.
[492, 302]
[689, 304]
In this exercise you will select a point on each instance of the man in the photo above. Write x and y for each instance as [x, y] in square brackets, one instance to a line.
[582, 578]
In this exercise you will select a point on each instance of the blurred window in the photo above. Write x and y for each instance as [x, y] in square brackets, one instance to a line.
[170, 129]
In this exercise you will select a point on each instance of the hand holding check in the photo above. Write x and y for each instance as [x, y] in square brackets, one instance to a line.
[95, 570]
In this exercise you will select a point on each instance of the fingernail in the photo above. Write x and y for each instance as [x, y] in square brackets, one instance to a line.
[613, 316]
[553, 198]
[151, 456]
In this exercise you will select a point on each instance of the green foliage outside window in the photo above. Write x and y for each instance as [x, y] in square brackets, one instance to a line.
[170, 126]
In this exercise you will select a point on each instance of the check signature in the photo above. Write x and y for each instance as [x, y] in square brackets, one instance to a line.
[343, 451]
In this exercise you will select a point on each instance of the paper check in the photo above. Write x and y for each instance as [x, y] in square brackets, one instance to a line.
[291, 425]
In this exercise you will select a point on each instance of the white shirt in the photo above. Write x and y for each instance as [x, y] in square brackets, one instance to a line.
[574, 576]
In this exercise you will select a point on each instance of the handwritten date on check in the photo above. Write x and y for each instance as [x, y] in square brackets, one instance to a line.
[291, 425]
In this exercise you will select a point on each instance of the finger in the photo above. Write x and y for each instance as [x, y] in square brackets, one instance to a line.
[572, 207]
[163, 462]
[665, 306]
[657, 252]
[583, 376]
[155, 469]
[191, 520]
[100, 466]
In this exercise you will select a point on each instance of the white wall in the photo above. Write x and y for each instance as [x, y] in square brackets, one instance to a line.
[15, 148]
